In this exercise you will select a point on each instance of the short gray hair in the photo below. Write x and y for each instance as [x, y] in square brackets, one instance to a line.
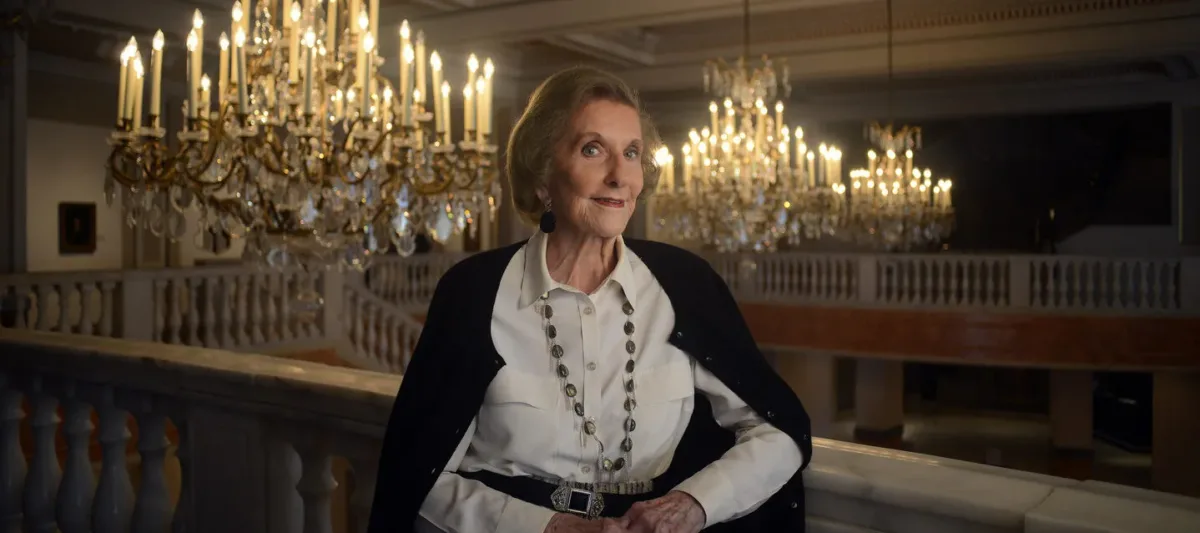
[543, 125]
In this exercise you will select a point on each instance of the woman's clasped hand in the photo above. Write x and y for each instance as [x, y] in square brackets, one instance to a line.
[677, 512]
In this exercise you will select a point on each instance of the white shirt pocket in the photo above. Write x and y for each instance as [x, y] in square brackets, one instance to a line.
[519, 416]
[665, 399]
[665, 383]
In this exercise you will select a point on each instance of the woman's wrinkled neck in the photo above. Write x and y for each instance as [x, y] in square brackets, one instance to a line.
[580, 260]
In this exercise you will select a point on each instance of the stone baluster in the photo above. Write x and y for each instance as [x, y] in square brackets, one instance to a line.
[160, 311]
[316, 486]
[365, 469]
[258, 308]
[12, 460]
[285, 507]
[383, 348]
[1148, 299]
[74, 502]
[175, 291]
[43, 306]
[64, 306]
[369, 342]
[21, 297]
[184, 519]
[229, 293]
[211, 338]
[87, 307]
[240, 318]
[311, 283]
[106, 308]
[113, 505]
[286, 280]
[1117, 290]
[41, 487]
[192, 288]
[152, 508]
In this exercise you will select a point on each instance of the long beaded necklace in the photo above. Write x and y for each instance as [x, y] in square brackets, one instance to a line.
[604, 462]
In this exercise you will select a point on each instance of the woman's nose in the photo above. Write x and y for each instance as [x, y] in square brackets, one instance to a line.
[622, 172]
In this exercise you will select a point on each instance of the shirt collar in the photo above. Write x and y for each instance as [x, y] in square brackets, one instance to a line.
[536, 279]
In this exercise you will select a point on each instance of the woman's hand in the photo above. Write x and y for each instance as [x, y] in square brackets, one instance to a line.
[569, 523]
[677, 512]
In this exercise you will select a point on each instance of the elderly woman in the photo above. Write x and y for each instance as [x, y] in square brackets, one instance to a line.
[581, 382]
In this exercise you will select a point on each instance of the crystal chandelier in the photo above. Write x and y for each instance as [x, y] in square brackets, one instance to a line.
[895, 205]
[318, 152]
[746, 183]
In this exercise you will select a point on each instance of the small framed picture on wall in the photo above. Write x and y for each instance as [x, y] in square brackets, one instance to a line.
[76, 228]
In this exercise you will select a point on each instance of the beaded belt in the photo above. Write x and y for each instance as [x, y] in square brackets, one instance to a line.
[590, 500]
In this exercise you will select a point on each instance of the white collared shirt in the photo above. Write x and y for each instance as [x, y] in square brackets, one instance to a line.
[526, 426]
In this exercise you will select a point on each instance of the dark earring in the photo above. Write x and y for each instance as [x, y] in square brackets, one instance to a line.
[547, 222]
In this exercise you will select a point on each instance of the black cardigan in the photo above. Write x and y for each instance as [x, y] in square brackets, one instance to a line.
[455, 361]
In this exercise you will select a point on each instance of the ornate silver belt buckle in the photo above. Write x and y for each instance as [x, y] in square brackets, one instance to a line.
[586, 503]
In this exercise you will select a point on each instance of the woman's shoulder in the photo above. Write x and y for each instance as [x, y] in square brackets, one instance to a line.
[673, 265]
[660, 255]
[478, 271]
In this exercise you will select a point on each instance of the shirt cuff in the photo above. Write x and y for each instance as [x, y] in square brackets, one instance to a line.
[520, 516]
[710, 488]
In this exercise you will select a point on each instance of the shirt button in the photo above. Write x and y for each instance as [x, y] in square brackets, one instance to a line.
[795, 505]
[678, 334]
[591, 366]
[770, 414]
[587, 310]
[586, 469]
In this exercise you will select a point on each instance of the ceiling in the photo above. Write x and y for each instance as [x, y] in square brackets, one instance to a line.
[659, 45]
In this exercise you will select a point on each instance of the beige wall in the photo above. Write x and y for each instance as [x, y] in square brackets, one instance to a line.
[66, 164]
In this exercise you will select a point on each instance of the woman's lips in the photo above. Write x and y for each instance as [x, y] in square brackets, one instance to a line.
[609, 202]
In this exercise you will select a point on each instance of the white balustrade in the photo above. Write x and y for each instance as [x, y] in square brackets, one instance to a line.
[409, 281]
[1040, 283]
[381, 334]
[369, 318]
[238, 307]
[261, 435]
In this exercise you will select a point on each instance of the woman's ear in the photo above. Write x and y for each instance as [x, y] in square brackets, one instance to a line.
[543, 195]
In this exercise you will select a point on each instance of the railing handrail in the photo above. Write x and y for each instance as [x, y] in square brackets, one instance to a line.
[345, 397]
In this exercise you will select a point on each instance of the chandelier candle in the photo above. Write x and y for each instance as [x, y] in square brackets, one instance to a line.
[236, 26]
[407, 54]
[420, 88]
[197, 61]
[223, 71]
[331, 28]
[123, 82]
[293, 31]
[156, 78]
[435, 67]
[137, 92]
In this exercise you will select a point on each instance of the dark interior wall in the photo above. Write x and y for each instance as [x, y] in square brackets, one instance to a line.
[1102, 167]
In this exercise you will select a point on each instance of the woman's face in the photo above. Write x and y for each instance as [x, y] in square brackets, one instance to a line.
[599, 173]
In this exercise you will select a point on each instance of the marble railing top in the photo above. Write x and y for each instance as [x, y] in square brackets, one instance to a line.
[335, 397]
[979, 497]
[841, 479]
[137, 274]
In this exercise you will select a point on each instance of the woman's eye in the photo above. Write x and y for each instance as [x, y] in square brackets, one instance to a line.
[631, 154]
[590, 150]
